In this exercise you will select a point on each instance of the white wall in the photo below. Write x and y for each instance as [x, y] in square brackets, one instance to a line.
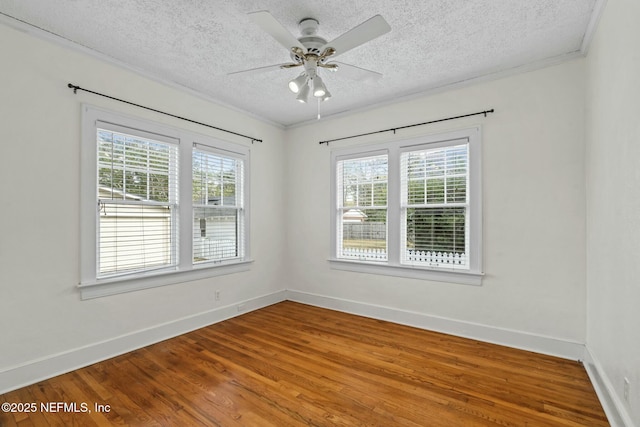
[40, 309]
[613, 201]
[534, 199]
[536, 235]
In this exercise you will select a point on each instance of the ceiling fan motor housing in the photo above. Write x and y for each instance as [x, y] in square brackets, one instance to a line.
[311, 42]
[308, 26]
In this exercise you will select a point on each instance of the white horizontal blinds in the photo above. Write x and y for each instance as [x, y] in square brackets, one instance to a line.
[434, 188]
[362, 208]
[218, 207]
[137, 203]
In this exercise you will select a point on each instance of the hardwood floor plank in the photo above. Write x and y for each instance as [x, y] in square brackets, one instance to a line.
[539, 383]
[397, 383]
[317, 376]
[408, 375]
[296, 365]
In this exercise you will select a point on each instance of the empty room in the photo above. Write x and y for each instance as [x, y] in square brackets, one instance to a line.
[289, 213]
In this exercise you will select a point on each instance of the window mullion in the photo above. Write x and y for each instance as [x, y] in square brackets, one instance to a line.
[185, 207]
[393, 208]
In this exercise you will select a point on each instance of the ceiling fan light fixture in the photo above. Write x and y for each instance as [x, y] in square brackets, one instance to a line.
[319, 89]
[303, 94]
[296, 84]
[314, 52]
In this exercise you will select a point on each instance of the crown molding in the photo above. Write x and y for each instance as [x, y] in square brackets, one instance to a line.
[596, 14]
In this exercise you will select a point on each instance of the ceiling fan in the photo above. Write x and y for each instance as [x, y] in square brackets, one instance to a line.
[313, 52]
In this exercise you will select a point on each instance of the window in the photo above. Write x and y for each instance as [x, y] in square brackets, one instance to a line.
[434, 206]
[218, 216]
[159, 205]
[137, 202]
[410, 208]
[362, 208]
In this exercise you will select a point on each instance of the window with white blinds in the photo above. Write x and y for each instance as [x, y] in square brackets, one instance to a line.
[218, 201]
[434, 207]
[410, 208]
[362, 208]
[137, 203]
[159, 205]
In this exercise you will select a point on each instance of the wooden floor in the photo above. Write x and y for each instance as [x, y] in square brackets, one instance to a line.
[293, 365]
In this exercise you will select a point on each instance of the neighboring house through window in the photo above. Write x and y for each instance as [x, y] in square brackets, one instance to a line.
[137, 201]
[159, 205]
[362, 207]
[410, 208]
[218, 206]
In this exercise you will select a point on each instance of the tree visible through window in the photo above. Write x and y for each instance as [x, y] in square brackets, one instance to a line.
[434, 195]
[159, 204]
[217, 207]
[362, 208]
[413, 205]
[137, 200]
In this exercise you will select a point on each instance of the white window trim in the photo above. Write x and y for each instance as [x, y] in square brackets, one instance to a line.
[393, 267]
[92, 287]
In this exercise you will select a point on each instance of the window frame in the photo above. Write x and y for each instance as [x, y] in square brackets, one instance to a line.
[239, 207]
[393, 266]
[91, 285]
[338, 193]
[108, 206]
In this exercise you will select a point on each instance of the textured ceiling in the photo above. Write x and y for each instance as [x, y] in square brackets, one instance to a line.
[196, 43]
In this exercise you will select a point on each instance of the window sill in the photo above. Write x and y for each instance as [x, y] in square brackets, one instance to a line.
[117, 285]
[460, 277]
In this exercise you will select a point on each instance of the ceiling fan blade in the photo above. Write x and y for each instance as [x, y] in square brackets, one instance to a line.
[357, 73]
[263, 69]
[275, 29]
[368, 30]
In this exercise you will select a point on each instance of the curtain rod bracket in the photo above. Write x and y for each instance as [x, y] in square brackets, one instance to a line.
[77, 88]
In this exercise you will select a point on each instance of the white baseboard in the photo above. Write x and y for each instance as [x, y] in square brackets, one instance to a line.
[611, 403]
[47, 367]
[511, 338]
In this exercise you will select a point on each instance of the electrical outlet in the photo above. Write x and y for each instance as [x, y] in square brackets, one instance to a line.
[627, 385]
[217, 295]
